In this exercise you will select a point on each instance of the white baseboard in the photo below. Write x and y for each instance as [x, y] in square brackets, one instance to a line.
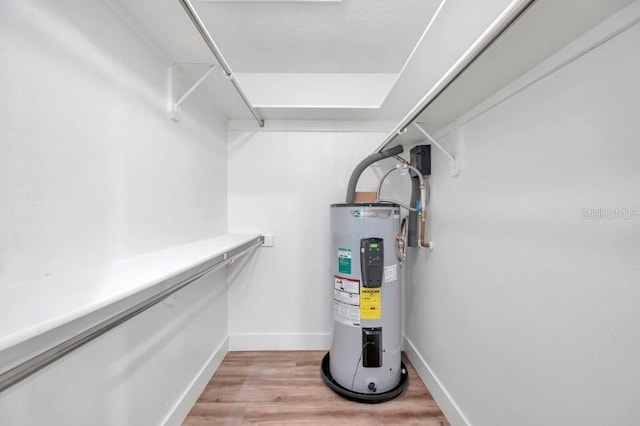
[279, 342]
[302, 341]
[448, 406]
[179, 411]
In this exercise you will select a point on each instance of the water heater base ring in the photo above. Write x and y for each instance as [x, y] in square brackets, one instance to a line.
[368, 398]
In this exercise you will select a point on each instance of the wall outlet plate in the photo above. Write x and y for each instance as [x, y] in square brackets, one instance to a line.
[269, 241]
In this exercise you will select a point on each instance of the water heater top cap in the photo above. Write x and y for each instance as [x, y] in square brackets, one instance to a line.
[382, 204]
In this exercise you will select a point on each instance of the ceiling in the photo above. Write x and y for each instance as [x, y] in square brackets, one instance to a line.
[310, 59]
[349, 36]
[349, 59]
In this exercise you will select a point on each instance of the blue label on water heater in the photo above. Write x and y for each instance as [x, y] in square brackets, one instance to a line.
[344, 261]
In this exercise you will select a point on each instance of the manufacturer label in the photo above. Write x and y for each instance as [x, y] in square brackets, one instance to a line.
[346, 314]
[370, 307]
[344, 261]
[380, 214]
[390, 273]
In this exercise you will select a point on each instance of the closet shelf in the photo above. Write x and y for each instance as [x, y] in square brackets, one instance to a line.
[60, 309]
[211, 44]
[529, 40]
[489, 36]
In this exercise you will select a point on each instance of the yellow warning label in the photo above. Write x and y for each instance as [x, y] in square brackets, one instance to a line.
[370, 303]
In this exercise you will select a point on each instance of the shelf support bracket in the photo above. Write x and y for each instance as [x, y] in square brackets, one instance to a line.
[174, 105]
[454, 162]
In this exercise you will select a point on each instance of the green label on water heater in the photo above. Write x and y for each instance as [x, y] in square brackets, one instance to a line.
[344, 261]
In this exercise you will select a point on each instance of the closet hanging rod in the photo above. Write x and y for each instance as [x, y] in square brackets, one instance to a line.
[506, 18]
[193, 15]
[38, 362]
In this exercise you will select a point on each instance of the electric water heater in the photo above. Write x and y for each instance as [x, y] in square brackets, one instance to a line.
[364, 362]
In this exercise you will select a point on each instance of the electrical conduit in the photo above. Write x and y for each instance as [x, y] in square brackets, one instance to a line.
[355, 175]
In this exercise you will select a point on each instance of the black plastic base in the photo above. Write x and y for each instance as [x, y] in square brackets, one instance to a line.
[368, 398]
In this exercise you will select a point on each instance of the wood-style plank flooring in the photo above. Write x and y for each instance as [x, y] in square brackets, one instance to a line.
[285, 387]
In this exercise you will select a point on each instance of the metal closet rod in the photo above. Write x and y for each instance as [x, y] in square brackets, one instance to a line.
[506, 18]
[40, 361]
[193, 15]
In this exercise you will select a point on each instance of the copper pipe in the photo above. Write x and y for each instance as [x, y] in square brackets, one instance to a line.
[423, 230]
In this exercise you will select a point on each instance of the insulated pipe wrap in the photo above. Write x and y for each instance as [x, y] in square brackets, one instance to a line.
[413, 232]
[355, 175]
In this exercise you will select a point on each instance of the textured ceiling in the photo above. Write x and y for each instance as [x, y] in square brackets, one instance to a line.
[349, 36]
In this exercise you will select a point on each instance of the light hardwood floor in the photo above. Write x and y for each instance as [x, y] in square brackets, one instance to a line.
[285, 387]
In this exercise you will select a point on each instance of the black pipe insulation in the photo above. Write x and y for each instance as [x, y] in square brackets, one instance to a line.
[355, 176]
[413, 233]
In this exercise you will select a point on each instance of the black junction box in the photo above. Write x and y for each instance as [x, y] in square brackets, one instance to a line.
[421, 158]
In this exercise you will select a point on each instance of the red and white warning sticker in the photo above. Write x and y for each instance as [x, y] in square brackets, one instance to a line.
[347, 285]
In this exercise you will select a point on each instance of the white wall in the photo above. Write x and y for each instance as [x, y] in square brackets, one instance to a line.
[527, 312]
[282, 183]
[146, 372]
[93, 170]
